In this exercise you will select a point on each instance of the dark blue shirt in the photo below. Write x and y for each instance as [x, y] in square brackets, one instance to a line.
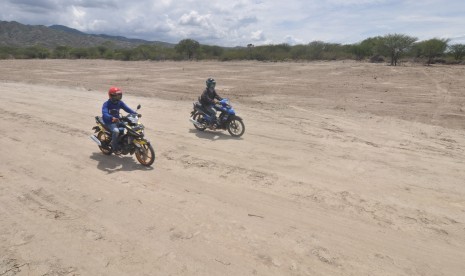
[111, 110]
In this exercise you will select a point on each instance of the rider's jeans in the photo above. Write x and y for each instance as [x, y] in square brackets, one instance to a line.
[114, 135]
[212, 112]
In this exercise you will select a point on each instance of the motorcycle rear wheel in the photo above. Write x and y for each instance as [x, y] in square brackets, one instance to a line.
[146, 155]
[201, 119]
[236, 127]
[104, 139]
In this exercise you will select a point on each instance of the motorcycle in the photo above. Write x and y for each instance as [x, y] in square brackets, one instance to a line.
[228, 120]
[131, 139]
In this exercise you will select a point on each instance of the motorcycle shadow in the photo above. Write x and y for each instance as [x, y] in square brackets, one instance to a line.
[113, 163]
[213, 135]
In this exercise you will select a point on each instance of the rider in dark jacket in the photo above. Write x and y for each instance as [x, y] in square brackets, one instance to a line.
[111, 117]
[207, 99]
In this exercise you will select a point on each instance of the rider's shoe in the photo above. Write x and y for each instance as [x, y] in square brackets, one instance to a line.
[215, 123]
[212, 124]
[117, 152]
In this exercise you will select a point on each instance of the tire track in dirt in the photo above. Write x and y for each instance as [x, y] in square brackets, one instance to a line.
[395, 217]
[26, 119]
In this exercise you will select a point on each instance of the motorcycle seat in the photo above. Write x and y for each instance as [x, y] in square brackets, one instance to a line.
[100, 121]
[199, 106]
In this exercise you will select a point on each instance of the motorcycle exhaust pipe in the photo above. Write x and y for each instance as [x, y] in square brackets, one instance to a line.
[96, 140]
[195, 122]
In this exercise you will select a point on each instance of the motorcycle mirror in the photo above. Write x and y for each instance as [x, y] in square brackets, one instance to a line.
[138, 107]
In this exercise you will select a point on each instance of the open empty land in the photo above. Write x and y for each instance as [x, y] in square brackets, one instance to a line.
[345, 168]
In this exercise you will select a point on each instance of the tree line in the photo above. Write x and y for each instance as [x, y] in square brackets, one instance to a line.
[389, 48]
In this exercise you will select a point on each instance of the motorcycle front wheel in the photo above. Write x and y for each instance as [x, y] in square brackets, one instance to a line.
[236, 127]
[145, 155]
[104, 139]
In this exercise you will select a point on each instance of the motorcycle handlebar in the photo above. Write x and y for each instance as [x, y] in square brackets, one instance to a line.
[137, 114]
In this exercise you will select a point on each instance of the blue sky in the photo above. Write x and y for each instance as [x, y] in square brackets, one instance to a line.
[238, 23]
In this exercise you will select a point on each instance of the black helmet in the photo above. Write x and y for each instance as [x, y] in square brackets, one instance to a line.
[211, 83]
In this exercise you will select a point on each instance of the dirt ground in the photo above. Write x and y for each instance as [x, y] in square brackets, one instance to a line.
[345, 168]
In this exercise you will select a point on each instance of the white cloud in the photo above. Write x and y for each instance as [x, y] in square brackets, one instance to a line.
[195, 19]
[257, 35]
[291, 40]
[354, 2]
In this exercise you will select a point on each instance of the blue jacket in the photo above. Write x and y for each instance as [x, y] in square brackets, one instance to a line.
[111, 110]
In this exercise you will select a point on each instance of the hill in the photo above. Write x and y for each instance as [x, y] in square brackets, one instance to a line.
[20, 35]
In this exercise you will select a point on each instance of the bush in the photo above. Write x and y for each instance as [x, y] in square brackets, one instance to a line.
[377, 59]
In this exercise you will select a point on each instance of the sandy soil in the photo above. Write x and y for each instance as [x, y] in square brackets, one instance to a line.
[345, 168]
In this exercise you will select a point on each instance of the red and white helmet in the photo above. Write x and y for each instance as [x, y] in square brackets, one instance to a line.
[115, 94]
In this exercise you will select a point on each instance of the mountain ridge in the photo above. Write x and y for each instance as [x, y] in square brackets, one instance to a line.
[15, 34]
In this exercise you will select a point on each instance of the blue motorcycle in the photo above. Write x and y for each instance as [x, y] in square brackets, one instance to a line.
[228, 120]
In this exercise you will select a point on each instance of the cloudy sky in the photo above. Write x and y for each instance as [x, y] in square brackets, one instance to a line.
[240, 22]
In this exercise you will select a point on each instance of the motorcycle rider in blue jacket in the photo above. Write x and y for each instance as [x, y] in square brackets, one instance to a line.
[207, 99]
[111, 117]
